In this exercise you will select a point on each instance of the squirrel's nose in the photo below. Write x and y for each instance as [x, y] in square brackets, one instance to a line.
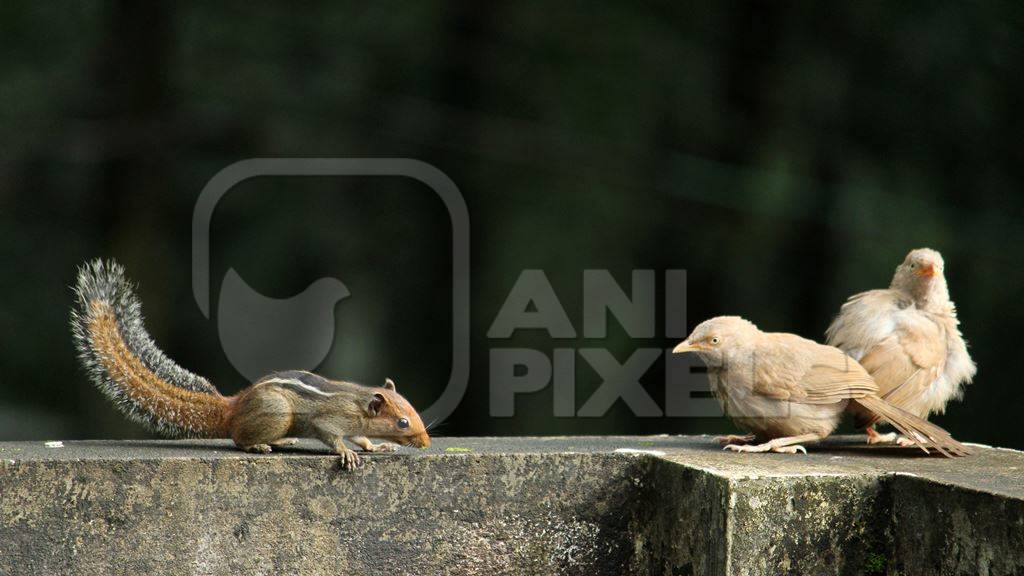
[421, 441]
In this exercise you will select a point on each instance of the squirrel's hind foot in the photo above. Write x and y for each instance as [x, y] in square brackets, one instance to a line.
[258, 448]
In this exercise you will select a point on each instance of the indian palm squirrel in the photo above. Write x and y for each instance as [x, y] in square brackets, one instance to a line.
[148, 387]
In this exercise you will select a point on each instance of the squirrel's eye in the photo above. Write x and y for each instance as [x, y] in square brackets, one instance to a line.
[913, 265]
[403, 422]
[715, 340]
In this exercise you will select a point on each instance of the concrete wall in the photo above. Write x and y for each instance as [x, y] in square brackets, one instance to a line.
[674, 505]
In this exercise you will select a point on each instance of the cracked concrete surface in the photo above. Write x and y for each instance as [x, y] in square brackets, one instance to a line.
[566, 505]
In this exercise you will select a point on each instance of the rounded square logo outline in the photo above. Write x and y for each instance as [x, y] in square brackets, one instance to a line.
[420, 171]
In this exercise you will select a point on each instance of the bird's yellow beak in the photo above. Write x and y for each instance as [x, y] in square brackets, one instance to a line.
[926, 271]
[685, 346]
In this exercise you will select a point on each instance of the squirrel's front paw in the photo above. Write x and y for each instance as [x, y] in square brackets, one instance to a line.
[350, 460]
[384, 447]
[258, 448]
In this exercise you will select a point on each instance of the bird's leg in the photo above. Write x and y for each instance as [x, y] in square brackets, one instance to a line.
[875, 438]
[890, 438]
[905, 442]
[787, 445]
[736, 438]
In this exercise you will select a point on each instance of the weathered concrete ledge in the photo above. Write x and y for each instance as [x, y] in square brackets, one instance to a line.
[608, 505]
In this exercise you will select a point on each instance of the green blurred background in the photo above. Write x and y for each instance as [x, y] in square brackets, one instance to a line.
[786, 155]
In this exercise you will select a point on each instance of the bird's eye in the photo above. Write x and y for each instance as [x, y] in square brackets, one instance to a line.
[715, 340]
[403, 422]
[913, 265]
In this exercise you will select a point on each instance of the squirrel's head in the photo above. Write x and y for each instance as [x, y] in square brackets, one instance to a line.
[391, 417]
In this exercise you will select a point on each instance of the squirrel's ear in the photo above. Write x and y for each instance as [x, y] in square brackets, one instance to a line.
[375, 405]
[389, 384]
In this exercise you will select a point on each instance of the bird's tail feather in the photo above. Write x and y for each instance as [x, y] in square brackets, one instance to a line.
[923, 433]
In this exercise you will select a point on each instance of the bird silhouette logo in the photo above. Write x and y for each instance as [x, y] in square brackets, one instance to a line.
[261, 334]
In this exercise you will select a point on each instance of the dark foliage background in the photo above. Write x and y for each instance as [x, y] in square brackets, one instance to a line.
[785, 154]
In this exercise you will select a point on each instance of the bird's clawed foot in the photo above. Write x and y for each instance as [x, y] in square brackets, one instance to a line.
[876, 438]
[905, 442]
[784, 445]
[890, 438]
[766, 447]
[790, 449]
[735, 439]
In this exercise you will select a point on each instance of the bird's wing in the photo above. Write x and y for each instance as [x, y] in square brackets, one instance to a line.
[834, 377]
[803, 371]
[866, 319]
[959, 369]
[906, 363]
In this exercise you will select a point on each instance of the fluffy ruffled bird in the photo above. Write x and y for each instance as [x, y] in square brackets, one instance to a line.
[908, 338]
[789, 390]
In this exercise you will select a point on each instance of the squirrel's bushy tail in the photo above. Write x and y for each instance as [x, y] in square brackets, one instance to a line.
[125, 364]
